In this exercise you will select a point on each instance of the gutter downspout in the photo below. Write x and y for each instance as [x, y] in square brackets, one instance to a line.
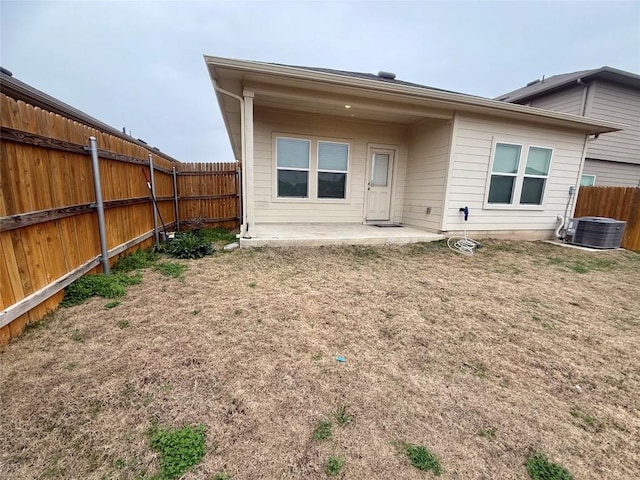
[243, 224]
[576, 189]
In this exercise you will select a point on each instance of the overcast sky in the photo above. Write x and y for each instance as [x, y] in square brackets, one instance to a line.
[140, 65]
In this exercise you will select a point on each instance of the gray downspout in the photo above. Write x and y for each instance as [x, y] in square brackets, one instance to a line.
[104, 252]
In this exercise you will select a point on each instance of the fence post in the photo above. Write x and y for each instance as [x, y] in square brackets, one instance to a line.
[175, 199]
[154, 205]
[97, 185]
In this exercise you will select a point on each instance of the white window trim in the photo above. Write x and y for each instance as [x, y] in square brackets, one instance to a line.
[322, 170]
[588, 175]
[308, 169]
[520, 175]
[312, 189]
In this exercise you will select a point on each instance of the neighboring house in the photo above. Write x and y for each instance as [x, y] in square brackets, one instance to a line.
[604, 93]
[332, 147]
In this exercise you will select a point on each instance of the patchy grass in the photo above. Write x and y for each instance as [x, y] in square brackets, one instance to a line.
[180, 449]
[421, 458]
[584, 265]
[217, 235]
[322, 430]
[334, 465]
[451, 352]
[587, 421]
[221, 476]
[107, 286]
[540, 468]
[112, 304]
[171, 269]
[136, 261]
[342, 416]
[488, 432]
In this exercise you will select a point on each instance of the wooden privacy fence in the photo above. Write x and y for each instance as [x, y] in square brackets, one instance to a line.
[621, 203]
[209, 191]
[48, 223]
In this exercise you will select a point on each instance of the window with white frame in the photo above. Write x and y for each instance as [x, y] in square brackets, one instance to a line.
[292, 163]
[519, 175]
[333, 163]
[587, 180]
[535, 176]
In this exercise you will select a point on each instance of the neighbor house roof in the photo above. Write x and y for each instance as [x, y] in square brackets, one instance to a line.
[235, 75]
[20, 91]
[558, 82]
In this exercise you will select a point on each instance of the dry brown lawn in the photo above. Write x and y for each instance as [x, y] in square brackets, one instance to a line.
[524, 347]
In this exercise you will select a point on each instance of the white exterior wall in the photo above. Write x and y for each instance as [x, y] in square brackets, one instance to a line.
[471, 154]
[426, 174]
[569, 100]
[613, 174]
[269, 209]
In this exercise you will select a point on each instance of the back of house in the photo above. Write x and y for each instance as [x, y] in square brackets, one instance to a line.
[320, 146]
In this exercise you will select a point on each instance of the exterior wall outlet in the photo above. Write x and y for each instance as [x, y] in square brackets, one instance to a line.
[428, 211]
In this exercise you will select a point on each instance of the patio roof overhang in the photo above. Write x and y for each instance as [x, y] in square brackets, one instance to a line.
[304, 90]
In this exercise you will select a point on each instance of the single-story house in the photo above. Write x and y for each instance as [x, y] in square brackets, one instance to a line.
[330, 149]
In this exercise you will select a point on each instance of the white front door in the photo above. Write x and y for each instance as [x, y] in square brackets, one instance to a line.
[380, 170]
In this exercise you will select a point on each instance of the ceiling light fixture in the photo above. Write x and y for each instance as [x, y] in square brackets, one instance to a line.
[347, 106]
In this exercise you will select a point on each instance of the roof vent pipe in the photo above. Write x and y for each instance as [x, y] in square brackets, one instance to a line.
[387, 75]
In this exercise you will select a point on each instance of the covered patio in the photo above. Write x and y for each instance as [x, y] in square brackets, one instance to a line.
[319, 234]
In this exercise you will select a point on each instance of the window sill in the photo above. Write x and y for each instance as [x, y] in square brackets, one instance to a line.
[491, 206]
[316, 201]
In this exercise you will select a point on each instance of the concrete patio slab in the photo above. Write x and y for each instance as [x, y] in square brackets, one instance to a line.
[313, 235]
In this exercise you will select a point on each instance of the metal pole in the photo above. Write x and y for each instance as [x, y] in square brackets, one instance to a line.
[175, 198]
[93, 147]
[154, 207]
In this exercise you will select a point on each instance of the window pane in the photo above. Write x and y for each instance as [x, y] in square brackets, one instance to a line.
[380, 169]
[587, 180]
[532, 189]
[331, 185]
[538, 161]
[292, 153]
[501, 189]
[293, 183]
[507, 158]
[332, 156]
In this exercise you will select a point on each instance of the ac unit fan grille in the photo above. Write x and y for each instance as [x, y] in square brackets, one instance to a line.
[598, 232]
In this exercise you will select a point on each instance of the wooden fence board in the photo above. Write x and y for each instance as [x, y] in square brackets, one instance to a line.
[621, 203]
[46, 172]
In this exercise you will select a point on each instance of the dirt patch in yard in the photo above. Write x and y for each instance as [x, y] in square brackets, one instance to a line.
[521, 348]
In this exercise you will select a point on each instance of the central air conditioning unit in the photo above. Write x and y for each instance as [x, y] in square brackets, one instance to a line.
[595, 232]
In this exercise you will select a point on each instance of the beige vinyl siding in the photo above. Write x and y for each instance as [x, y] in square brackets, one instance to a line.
[613, 174]
[568, 100]
[618, 103]
[471, 154]
[426, 174]
[359, 134]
